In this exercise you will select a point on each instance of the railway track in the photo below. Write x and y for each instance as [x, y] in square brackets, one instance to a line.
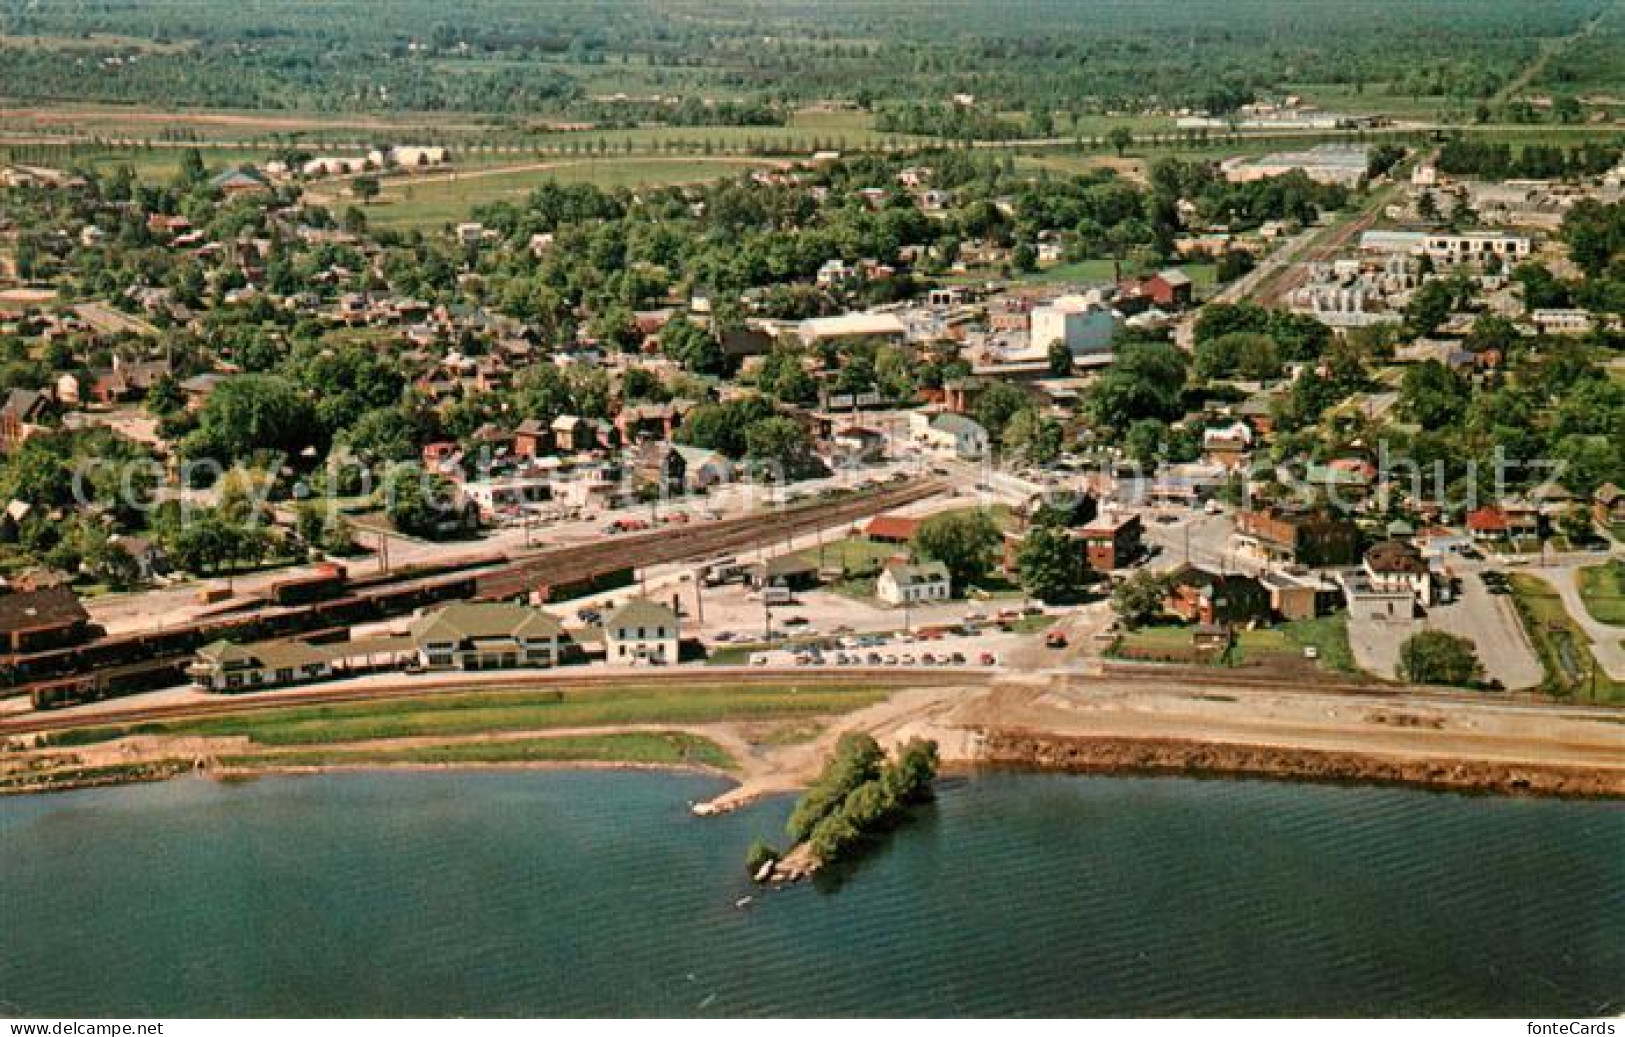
[693, 542]
[119, 664]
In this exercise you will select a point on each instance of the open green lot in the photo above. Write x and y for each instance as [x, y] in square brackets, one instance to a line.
[1602, 588]
[429, 203]
[471, 713]
[641, 747]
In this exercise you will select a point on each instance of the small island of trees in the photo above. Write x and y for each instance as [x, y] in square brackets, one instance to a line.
[859, 794]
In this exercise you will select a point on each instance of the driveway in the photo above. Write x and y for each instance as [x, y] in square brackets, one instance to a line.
[1491, 623]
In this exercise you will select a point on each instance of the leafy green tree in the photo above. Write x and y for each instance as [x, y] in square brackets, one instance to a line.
[1139, 599]
[1143, 442]
[1032, 437]
[1430, 305]
[784, 444]
[1147, 381]
[1051, 564]
[997, 405]
[1435, 657]
[1060, 359]
[249, 413]
[962, 541]
[1121, 138]
[417, 501]
[1433, 395]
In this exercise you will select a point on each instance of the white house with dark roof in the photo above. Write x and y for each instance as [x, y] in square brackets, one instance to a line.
[642, 631]
[906, 583]
[950, 433]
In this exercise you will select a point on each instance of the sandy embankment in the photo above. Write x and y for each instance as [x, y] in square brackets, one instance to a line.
[1082, 724]
[1098, 726]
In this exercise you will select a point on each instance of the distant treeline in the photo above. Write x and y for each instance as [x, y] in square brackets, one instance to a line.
[1473, 156]
[1023, 56]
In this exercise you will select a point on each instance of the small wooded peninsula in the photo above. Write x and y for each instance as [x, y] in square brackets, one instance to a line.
[860, 793]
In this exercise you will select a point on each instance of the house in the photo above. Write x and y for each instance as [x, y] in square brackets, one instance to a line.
[486, 636]
[571, 433]
[1367, 602]
[1217, 599]
[1299, 596]
[1302, 538]
[705, 468]
[950, 433]
[739, 342]
[1394, 565]
[1167, 289]
[1489, 524]
[642, 631]
[33, 621]
[790, 571]
[21, 414]
[198, 388]
[1228, 445]
[532, 438]
[238, 181]
[891, 529]
[860, 444]
[1608, 504]
[661, 466]
[907, 583]
[148, 557]
[1476, 246]
[1341, 475]
[227, 666]
[1111, 541]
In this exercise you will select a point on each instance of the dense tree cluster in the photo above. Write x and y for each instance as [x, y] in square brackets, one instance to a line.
[861, 792]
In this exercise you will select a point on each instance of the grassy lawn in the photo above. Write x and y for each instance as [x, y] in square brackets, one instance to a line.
[1328, 635]
[430, 203]
[487, 711]
[857, 555]
[1564, 650]
[662, 747]
[1603, 589]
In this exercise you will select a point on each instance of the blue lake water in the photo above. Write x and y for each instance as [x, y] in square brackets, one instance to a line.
[596, 893]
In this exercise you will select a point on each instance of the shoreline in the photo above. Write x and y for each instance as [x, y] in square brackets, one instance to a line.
[1063, 723]
[1007, 752]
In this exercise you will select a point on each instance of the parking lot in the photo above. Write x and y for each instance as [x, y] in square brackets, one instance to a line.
[1484, 618]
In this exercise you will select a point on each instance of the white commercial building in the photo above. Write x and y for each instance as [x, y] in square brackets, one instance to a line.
[1086, 325]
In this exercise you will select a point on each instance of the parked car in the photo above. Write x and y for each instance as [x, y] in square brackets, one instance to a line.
[1055, 639]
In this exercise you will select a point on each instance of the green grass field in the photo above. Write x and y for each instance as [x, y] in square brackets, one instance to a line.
[473, 713]
[672, 748]
[1602, 587]
[431, 203]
